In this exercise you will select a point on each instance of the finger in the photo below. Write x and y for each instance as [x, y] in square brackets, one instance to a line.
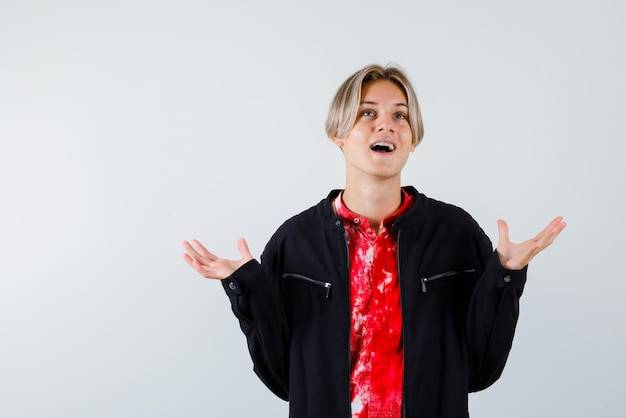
[503, 232]
[242, 245]
[203, 251]
[549, 234]
[191, 250]
[194, 264]
[188, 259]
[548, 229]
[529, 252]
[198, 252]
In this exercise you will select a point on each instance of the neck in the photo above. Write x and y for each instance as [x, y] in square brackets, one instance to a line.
[375, 201]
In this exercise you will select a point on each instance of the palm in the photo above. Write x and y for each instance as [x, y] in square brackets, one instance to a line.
[211, 266]
[516, 256]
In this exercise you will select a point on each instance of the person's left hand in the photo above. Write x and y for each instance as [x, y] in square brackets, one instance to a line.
[514, 256]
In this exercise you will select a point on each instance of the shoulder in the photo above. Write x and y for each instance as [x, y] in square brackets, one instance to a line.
[308, 224]
[444, 226]
[439, 214]
[317, 215]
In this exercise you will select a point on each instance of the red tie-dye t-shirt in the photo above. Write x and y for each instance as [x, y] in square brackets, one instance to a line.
[376, 355]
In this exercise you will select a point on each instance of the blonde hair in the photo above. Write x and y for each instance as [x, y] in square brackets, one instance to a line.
[344, 108]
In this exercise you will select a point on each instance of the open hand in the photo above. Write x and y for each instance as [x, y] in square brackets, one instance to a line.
[211, 266]
[517, 256]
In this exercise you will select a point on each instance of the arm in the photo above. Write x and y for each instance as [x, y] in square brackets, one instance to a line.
[256, 303]
[494, 308]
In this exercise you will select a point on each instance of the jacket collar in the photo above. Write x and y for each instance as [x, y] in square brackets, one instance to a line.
[408, 219]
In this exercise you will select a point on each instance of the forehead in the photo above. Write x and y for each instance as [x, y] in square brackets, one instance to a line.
[381, 91]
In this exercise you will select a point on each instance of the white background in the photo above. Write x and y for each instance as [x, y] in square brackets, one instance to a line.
[129, 126]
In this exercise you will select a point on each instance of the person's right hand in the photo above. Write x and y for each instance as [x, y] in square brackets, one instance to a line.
[211, 266]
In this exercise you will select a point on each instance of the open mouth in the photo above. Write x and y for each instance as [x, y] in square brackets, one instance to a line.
[382, 147]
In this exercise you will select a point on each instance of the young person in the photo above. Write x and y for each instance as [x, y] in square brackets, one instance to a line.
[378, 301]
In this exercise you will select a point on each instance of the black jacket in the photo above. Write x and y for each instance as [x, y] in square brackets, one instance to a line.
[459, 310]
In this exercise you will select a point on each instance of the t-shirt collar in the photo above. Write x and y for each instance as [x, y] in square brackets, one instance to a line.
[342, 210]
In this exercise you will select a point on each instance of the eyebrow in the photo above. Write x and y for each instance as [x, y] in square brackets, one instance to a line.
[375, 103]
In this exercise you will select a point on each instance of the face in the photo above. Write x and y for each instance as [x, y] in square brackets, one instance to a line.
[380, 141]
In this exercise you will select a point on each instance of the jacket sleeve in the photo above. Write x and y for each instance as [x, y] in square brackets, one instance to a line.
[491, 321]
[256, 303]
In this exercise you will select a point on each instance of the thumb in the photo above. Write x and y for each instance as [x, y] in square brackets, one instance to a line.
[503, 232]
[242, 245]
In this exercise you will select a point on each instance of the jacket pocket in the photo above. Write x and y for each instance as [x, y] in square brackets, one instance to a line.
[322, 285]
[426, 280]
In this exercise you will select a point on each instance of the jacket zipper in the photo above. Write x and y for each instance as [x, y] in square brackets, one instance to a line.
[402, 313]
[327, 286]
[349, 280]
[426, 280]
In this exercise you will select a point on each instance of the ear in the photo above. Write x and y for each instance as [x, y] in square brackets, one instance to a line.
[337, 141]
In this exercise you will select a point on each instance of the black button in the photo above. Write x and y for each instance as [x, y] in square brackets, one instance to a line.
[507, 279]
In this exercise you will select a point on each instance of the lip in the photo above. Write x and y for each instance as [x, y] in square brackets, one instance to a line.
[381, 138]
[387, 140]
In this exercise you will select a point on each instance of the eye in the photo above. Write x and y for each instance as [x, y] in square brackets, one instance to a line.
[400, 115]
[368, 112]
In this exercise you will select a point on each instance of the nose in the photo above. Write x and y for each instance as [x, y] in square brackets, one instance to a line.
[385, 122]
